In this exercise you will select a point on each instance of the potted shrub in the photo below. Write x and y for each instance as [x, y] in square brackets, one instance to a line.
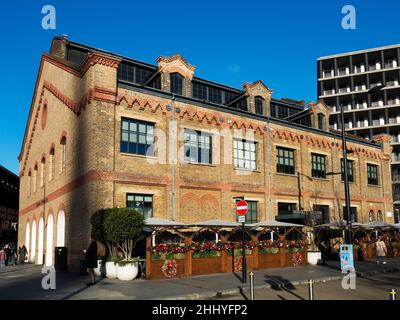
[106, 265]
[123, 227]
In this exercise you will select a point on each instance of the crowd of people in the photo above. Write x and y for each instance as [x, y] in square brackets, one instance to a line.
[10, 255]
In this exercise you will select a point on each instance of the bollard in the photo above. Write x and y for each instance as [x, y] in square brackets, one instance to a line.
[310, 289]
[392, 294]
[252, 285]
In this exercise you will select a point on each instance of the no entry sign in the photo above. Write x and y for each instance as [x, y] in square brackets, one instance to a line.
[241, 207]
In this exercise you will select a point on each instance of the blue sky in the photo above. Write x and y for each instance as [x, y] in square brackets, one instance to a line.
[228, 41]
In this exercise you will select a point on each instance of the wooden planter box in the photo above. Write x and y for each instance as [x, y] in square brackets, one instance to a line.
[157, 273]
[206, 266]
[269, 260]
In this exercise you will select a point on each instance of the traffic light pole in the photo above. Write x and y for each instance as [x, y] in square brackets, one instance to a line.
[348, 236]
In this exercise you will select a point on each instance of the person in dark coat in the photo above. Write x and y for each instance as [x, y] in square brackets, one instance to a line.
[91, 260]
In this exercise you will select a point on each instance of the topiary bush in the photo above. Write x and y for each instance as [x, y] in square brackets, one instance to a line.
[123, 227]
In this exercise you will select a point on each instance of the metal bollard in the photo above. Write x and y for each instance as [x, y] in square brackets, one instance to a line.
[310, 289]
[392, 294]
[251, 285]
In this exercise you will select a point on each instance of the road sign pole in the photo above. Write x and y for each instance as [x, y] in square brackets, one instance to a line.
[244, 272]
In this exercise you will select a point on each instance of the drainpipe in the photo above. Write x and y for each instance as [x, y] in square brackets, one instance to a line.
[269, 170]
[172, 119]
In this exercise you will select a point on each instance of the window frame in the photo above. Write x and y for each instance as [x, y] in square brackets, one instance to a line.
[134, 195]
[316, 172]
[198, 134]
[137, 134]
[373, 181]
[259, 103]
[236, 151]
[286, 168]
[350, 169]
[177, 83]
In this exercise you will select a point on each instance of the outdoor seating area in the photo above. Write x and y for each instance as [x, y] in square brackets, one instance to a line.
[364, 237]
[174, 249]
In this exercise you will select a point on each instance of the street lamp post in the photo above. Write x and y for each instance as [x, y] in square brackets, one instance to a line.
[349, 236]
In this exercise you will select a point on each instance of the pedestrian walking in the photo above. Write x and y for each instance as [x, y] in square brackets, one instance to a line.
[91, 260]
[381, 251]
[2, 257]
[23, 252]
[7, 250]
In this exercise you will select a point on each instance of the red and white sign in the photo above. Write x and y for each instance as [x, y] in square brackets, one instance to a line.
[241, 207]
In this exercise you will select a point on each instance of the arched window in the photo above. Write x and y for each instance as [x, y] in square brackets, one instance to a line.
[379, 216]
[28, 236]
[371, 216]
[42, 164]
[49, 240]
[29, 183]
[32, 251]
[63, 154]
[52, 169]
[34, 179]
[40, 241]
[61, 229]
[259, 105]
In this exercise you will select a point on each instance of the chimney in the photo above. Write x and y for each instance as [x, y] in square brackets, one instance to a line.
[59, 46]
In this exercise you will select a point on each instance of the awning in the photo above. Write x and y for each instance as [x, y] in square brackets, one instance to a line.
[162, 222]
[339, 224]
[376, 224]
[274, 223]
[216, 223]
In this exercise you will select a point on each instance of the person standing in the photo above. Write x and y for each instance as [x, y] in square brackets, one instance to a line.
[7, 251]
[381, 250]
[91, 260]
[2, 258]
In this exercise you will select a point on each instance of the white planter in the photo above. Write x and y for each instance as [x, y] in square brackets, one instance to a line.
[111, 270]
[127, 272]
[313, 257]
[100, 270]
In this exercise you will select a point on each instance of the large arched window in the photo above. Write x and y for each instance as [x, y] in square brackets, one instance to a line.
[28, 236]
[379, 216]
[32, 251]
[40, 241]
[49, 240]
[61, 229]
[371, 216]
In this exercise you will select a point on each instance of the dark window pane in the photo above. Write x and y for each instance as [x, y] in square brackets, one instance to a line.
[176, 83]
[136, 137]
[285, 160]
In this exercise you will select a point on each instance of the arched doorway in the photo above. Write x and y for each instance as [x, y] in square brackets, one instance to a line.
[40, 241]
[27, 236]
[61, 229]
[49, 240]
[32, 253]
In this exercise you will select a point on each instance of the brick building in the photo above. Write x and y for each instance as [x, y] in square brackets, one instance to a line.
[9, 200]
[105, 130]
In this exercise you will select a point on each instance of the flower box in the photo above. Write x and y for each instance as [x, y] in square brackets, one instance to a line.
[205, 254]
[238, 252]
[268, 251]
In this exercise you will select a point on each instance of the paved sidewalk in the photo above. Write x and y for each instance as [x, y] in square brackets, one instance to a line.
[217, 285]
